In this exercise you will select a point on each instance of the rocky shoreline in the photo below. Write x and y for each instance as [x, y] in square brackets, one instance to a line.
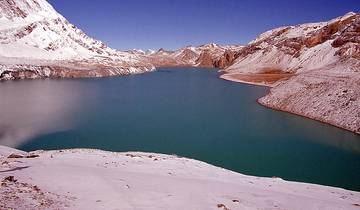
[329, 99]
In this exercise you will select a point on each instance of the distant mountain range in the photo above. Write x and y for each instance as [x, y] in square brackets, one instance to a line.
[209, 55]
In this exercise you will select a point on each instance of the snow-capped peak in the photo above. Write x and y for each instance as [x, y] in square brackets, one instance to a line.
[22, 12]
[36, 41]
[210, 45]
[33, 29]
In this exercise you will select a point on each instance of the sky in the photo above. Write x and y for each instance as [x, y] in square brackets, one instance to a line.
[171, 24]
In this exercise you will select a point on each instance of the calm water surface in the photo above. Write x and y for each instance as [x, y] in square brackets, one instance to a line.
[188, 112]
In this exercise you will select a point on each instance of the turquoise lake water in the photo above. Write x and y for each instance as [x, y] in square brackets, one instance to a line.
[188, 112]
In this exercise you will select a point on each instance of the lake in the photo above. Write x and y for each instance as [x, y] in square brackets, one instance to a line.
[182, 111]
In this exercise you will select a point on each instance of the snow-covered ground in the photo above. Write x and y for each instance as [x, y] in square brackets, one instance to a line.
[94, 179]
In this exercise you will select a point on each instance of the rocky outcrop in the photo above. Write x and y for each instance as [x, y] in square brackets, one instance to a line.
[205, 59]
[226, 59]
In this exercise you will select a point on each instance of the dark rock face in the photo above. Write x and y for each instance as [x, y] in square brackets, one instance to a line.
[348, 42]
[205, 59]
[326, 33]
[291, 46]
[248, 49]
[226, 59]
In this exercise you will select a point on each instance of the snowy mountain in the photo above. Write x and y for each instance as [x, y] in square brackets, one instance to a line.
[322, 61]
[34, 37]
[303, 47]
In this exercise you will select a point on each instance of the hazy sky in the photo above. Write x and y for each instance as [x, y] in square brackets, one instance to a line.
[152, 24]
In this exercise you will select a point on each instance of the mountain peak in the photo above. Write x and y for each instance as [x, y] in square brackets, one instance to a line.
[11, 9]
[18, 13]
[33, 32]
[210, 45]
[33, 29]
[351, 13]
[344, 17]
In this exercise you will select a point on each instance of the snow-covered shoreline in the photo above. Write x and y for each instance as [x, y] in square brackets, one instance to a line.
[95, 179]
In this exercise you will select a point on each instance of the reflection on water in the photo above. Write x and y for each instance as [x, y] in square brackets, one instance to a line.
[31, 108]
